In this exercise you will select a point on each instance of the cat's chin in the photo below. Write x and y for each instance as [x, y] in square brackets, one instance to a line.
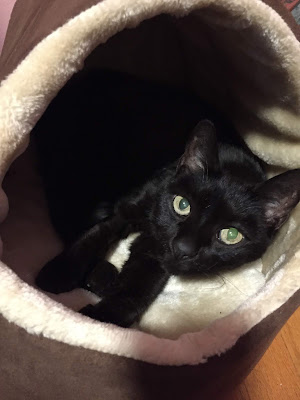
[177, 267]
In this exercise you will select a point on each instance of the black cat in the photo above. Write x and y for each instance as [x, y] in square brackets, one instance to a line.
[209, 210]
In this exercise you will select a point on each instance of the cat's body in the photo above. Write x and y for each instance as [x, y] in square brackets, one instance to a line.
[210, 209]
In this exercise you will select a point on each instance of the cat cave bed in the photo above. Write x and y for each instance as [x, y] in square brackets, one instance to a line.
[200, 337]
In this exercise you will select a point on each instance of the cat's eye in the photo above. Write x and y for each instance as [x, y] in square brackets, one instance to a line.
[230, 236]
[181, 205]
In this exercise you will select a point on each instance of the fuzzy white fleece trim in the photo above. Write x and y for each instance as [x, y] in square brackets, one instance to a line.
[38, 314]
[23, 97]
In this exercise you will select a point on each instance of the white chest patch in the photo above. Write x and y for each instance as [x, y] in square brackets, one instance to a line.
[120, 252]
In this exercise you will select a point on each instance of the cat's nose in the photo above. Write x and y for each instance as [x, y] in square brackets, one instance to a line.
[184, 248]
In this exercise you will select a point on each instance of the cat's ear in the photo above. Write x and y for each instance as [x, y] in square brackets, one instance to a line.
[279, 195]
[201, 151]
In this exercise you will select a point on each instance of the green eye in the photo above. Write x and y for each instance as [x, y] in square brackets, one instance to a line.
[230, 236]
[181, 205]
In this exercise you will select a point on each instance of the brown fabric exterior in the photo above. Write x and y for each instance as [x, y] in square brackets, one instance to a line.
[30, 22]
[33, 20]
[36, 368]
[286, 15]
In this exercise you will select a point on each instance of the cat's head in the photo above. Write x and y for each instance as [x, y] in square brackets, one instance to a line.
[206, 219]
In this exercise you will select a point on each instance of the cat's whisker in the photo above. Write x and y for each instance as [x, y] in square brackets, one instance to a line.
[222, 277]
[250, 208]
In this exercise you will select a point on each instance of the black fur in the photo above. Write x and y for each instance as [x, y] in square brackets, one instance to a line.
[222, 180]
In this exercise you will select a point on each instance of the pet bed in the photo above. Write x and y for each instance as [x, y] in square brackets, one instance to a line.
[202, 336]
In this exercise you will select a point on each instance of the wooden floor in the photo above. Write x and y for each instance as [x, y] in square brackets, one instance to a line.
[277, 375]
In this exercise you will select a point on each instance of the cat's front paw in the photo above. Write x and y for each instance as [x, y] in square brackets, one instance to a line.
[101, 280]
[57, 277]
[115, 312]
